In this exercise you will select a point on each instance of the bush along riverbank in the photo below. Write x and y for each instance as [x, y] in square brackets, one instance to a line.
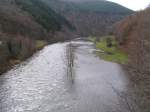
[109, 50]
[15, 50]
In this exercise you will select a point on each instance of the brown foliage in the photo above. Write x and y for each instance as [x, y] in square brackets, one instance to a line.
[14, 48]
[20, 47]
[15, 21]
[134, 34]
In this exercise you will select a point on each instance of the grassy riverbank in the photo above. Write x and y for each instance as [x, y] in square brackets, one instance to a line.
[109, 49]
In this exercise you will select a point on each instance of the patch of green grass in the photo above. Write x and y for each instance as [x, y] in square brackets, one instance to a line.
[112, 53]
[39, 44]
[92, 39]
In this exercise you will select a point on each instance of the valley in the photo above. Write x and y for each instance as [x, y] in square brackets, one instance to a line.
[74, 56]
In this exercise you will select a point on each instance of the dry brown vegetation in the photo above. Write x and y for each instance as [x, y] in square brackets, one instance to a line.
[15, 21]
[133, 34]
[13, 49]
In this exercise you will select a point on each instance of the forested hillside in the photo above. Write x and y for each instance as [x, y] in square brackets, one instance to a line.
[90, 17]
[28, 17]
[133, 34]
[88, 6]
[43, 14]
[22, 24]
[97, 6]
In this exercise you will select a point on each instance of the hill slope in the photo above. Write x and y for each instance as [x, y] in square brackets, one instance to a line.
[22, 23]
[134, 35]
[90, 17]
[97, 6]
[29, 16]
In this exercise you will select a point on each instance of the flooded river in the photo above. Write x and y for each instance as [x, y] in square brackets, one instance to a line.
[43, 84]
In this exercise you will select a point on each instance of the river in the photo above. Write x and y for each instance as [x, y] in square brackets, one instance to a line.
[43, 84]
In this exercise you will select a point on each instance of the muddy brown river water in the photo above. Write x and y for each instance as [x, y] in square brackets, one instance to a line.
[42, 83]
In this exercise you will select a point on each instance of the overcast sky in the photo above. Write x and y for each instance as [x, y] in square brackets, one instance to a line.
[133, 4]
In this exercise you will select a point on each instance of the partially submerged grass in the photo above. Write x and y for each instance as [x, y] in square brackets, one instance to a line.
[92, 39]
[39, 44]
[111, 53]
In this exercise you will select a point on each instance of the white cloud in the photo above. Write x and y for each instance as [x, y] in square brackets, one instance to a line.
[133, 4]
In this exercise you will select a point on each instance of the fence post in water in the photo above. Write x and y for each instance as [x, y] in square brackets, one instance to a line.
[71, 61]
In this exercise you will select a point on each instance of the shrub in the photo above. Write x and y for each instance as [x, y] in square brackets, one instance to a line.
[39, 44]
[20, 47]
[109, 42]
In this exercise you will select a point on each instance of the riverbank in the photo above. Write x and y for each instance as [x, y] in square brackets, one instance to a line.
[133, 33]
[109, 50]
[139, 79]
[14, 53]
